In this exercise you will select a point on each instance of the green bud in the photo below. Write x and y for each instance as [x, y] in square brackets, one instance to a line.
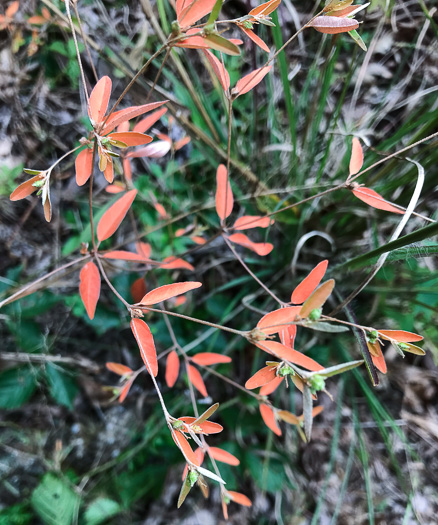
[317, 383]
[193, 477]
[403, 346]
[177, 424]
[315, 314]
[38, 183]
[227, 499]
[372, 336]
[106, 141]
[247, 24]
[286, 371]
[175, 28]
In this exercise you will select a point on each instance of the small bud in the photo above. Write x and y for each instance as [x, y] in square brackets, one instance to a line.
[227, 499]
[176, 30]
[193, 477]
[373, 336]
[315, 314]
[247, 24]
[317, 383]
[38, 183]
[177, 424]
[286, 371]
[403, 346]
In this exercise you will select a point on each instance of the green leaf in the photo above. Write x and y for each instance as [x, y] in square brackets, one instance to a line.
[307, 411]
[54, 501]
[16, 387]
[16, 515]
[337, 369]
[215, 13]
[63, 387]
[328, 327]
[222, 44]
[100, 510]
[185, 489]
[357, 38]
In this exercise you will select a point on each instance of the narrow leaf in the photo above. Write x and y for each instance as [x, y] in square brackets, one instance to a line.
[262, 377]
[288, 417]
[168, 291]
[239, 498]
[268, 417]
[89, 287]
[375, 200]
[123, 255]
[115, 214]
[185, 489]
[218, 68]
[260, 248]
[308, 285]
[99, 99]
[210, 358]
[271, 386]
[146, 345]
[338, 369]
[84, 166]
[196, 379]
[224, 194]
[149, 121]
[333, 25]
[318, 298]
[219, 43]
[223, 456]
[307, 411]
[210, 475]
[252, 221]
[119, 369]
[172, 368]
[356, 159]
[129, 113]
[289, 354]
[251, 80]
[400, 335]
[278, 320]
[131, 138]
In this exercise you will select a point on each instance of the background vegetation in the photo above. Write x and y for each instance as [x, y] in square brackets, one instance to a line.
[69, 452]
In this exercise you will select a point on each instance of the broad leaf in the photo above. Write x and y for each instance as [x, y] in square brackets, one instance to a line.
[168, 291]
[115, 214]
[89, 287]
[146, 345]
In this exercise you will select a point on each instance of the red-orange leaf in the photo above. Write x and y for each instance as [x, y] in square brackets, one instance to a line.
[149, 121]
[90, 287]
[260, 248]
[185, 447]
[207, 427]
[317, 298]
[173, 263]
[287, 336]
[191, 12]
[123, 255]
[115, 214]
[278, 320]
[401, 336]
[271, 386]
[138, 289]
[289, 354]
[377, 356]
[108, 172]
[99, 99]
[266, 8]
[119, 369]
[251, 80]
[144, 249]
[218, 68]
[255, 38]
[308, 285]
[129, 113]
[269, 419]
[210, 358]
[356, 160]
[252, 221]
[196, 379]
[168, 291]
[84, 166]
[239, 498]
[224, 194]
[199, 453]
[223, 456]
[172, 368]
[146, 345]
[333, 25]
[114, 188]
[25, 189]
[125, 390]
[131, 138]
[375, 200]
[262, 377]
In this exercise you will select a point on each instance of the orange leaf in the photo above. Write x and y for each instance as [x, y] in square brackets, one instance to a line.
[266, 8]
[129, 113]
[12, 9]
[401, 336]
[193, 11]
[223, 456]
[287, 336]
[262, 377]
[251, 80]
[256, 39]
[125, 391]
[115, 214]
[138, 289]
[224, 194]
[378, 360]
[146, 344]
[84, 166]
[89, 287]
[210, 358]
[25, 189]
[239, 498]
[144, 249]
[308, 285]
[123, 255]
[356, 160]
[198, 239]
[168, 291]
[317, 298]
[99, 99]
[333, 25]
[185, 447]
[127, 170]
[108, 172]
[375, 200]
[199, 453]
[289, 354]
[252, 221]
[196, 380]
[269, 419]
[114, 188]
[119, 369]
[131, 138]
[149, 121]
[172, 368]
[374, 348]
[271, 386]
[219, 69]
[173, 263]
[181, 143]
[208, 427]
[278, 320]
[260, 248]
[161, 210]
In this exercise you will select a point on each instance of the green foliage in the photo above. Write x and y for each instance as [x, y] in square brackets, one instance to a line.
[17, 386]
[54, 501]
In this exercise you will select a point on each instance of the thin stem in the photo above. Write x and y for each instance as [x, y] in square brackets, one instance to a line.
[21, 291]
[253, 275]
[104, 275]
[90, 196]
[166, 56]
[87, 47]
